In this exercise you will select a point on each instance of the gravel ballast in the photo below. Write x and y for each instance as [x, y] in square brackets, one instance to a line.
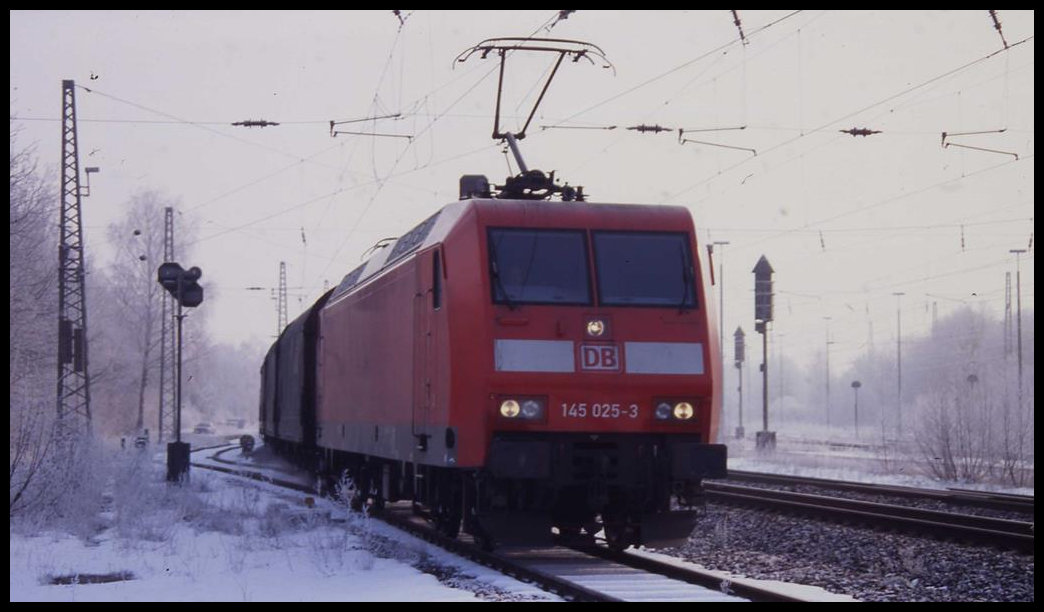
[865, 564]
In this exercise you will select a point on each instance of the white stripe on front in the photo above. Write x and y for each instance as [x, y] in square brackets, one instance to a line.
[533, 355]
[663, 357]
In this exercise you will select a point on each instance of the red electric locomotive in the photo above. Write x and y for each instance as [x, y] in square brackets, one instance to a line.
[513, 365]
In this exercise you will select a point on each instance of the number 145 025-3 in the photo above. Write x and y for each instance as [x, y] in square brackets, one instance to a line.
[583, 410]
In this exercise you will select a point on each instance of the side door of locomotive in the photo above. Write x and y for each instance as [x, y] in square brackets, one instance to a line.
[427, 303]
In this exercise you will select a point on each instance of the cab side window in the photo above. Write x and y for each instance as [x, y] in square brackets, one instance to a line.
[436, 280]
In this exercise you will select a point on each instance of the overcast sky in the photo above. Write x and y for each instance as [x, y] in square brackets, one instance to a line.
[846, 220]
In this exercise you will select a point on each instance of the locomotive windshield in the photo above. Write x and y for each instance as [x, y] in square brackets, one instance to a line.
[644, 269]
[537, 266]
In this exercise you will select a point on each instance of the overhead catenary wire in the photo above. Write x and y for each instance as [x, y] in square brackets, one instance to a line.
[391, 177]
[898, 197]
[726, 169]
[717, 58]
[380, 184]
[179, 120]
[175, 120]
[863, 109]
[423, 130]
[202, 126]
[673, 70]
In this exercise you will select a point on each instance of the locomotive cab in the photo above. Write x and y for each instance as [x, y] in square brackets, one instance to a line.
[601, 394]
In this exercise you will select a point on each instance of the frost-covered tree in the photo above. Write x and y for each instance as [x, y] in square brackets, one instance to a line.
[138, 239]
[33, 300]
[964, 389]
[129, 313]
[32, 283]
[960, 403]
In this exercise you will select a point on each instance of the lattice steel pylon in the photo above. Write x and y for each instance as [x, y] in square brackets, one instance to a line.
[168, 342]
[281, 314]
[74, 396]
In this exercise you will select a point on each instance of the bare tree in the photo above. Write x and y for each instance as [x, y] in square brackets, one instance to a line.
[33, 298]
[950, 432]
[960, 396]
[49, 477]
[1014, 445]
[138, 239]
[971, 424]
[32, 283]
[127, 301]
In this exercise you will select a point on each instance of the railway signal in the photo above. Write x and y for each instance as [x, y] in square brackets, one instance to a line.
[184, 286]
[740, 357]
[181, 283]
[762, 293]
[765, 439]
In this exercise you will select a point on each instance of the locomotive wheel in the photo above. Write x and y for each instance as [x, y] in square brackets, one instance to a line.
[616, 537]
[447, 519]
[375, 500]
[324, 485]
[368, 495]
[324, 479]
[484, 540]
[448, 504]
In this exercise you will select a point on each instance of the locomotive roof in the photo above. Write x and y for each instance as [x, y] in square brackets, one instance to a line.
[583, 214]
[435, 228]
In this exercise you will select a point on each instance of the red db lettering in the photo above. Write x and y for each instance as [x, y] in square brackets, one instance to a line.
[600, 357]
[590, 357]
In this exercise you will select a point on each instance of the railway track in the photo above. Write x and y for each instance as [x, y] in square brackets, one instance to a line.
[236, 468]
[588, 572]
[1003, 533]
[583, 573]
[957, 497]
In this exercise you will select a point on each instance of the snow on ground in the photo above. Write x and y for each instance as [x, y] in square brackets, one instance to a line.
[220, 538]
[872, 464]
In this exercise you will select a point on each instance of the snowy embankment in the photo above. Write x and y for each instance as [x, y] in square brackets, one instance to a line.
[224, 539]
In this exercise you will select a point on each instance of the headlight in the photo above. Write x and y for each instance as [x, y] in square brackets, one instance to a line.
[595, 327]
[523, 408]
[683, 411]
[531, 409]
[509, 408]
[675, 409]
